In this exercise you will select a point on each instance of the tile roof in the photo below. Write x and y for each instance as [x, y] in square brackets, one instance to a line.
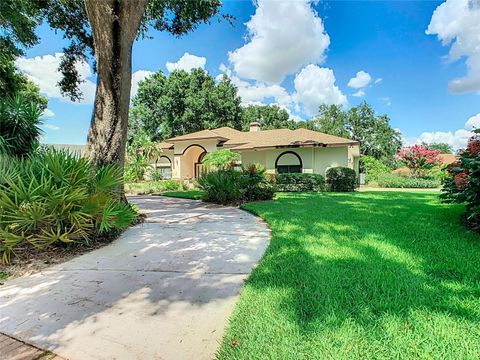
[447, 159]
[250, 140]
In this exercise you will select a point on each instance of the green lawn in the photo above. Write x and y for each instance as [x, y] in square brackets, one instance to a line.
[379, 275]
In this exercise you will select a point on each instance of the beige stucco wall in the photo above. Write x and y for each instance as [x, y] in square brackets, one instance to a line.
[314, 160]
[185, 157]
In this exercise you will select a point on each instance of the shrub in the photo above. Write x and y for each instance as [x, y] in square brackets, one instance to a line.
[419, 158]
[57, 197]
[341, 179]
[221, 159]
[373, 168]
[19, 126]
[463, 183]
[171, 185]
[234, 187]
[221, 186]
[399, 181]
[299, 182]
[155, 175]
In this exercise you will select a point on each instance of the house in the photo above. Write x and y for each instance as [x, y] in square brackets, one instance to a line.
[279, 151]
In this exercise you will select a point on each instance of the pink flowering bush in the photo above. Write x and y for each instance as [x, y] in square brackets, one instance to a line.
[419, 159]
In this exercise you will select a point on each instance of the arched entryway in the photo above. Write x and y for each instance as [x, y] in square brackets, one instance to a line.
[191, 161]
[164, 166]
[288, 162]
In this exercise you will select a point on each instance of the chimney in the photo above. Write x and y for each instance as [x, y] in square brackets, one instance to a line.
[255, 126]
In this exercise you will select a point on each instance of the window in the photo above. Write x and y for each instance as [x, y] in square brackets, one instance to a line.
[281, 169]
[288, 162]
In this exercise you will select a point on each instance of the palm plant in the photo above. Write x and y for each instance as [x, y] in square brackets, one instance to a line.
[54, 196]
[19, 126]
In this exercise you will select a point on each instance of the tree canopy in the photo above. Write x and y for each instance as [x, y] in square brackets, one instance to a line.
[182, 103]
[377, 138]
[269, 117]
[444, 148]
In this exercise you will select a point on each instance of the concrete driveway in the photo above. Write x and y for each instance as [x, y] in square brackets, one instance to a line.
[163, 290]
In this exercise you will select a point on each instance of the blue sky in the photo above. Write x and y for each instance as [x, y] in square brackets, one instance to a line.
[300, 54]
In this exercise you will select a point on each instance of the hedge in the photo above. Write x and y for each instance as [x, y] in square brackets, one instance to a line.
[341, 179]
[300, 182]
[398, 181]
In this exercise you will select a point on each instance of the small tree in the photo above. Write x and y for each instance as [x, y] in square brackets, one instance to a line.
[419, 158]
[222, 159]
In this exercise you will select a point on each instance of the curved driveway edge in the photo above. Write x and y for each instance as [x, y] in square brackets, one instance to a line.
[163, 290]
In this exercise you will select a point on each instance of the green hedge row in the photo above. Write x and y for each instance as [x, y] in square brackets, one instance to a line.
[398, 181]
[300, 182]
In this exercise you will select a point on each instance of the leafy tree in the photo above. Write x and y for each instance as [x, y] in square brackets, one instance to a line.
[106, 30]
[222, 159]
[269, 117]
[13, 83]
[444, 148]
[19, 126]
[182, 103]
[377, 138]
[419, 159]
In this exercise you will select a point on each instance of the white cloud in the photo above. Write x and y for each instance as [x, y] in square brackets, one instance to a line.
[360, 80]
[256, 93]
[359, 93]
[43, 71]
[378, 81]
[187, 62]
[48, 113]
[473, 122]
[282, 37]
[315, 86]
[386, 100]
[51, 127]
[457, 23]
[457, 139]
[138, 76]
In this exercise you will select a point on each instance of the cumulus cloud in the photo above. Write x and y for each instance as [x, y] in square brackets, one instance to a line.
[48, 113]
[51, 127]
[360, 80]
[282, 37]
[473, 122]
[43, 71]
[187, 62]
[359, 93]
[315, 86]
[138, 76]
[457, 139]
[457, 24]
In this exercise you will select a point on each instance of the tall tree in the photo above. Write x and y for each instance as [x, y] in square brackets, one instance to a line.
[269, 117]
[106, 30]
[377, 138]
[184, 102]
[444, 148]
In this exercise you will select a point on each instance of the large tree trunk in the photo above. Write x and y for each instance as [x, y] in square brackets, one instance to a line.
[115, 24]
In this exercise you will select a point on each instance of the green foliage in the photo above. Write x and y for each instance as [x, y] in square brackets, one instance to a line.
[221, 186]
[56, 197]
[233, 187]
[341, 179]
[300, 182]
[399, 181]
[141, 152]
[221, 159]
[19, 126]
[182, 103]
[269, 117]
[377, 138]
[444, 148]
[373, 168]
[153, 187]
[463, 183]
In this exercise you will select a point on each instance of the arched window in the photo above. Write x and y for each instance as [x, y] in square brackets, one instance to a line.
[164, 165]
[288, 162]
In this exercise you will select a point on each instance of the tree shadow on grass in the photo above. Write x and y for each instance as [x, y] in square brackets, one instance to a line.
[386, 263]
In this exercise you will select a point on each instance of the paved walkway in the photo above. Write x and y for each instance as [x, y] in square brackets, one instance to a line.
[163, 290]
